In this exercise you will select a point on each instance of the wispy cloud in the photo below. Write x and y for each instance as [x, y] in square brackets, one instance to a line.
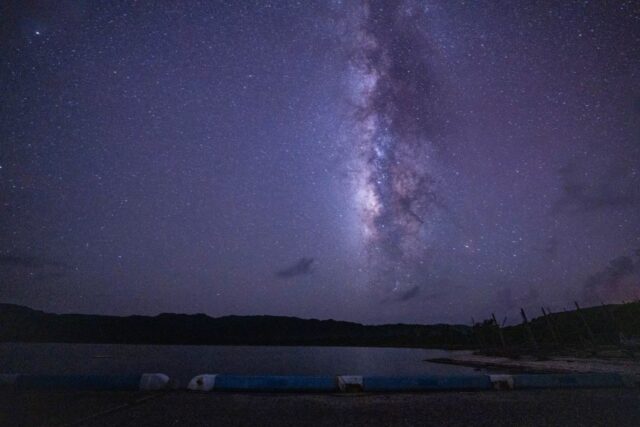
[409, 294]
[302, 267]
[584, 191]
[618, 280]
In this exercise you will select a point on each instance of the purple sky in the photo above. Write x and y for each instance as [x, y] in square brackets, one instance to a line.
[377, 161]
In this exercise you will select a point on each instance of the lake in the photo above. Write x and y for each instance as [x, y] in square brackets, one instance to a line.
[182, 362]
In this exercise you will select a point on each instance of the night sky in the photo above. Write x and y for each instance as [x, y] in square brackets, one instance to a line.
[376, 161]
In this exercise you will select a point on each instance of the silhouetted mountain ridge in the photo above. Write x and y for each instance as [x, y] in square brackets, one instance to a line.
[19, 323]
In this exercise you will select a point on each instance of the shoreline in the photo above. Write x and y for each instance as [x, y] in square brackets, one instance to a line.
[553, 364]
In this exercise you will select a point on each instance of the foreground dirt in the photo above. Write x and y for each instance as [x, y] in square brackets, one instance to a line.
[614, 407]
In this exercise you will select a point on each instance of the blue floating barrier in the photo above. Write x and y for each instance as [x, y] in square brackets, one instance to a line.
[87, 382]
[595, 380]
[427, 383]
[274, 383]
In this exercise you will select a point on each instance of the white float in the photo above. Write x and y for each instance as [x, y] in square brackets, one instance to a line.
[204, 382]
[350, 383]
[502, 382]
[155, 381]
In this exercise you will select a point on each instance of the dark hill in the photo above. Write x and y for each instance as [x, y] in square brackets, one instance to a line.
[601, 324]
[18, 323]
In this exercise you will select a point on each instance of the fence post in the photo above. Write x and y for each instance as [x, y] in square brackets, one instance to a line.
[493, 316]
[476, 333]
[528, 327]
[614, 322]
[586, 325]
[550, 326]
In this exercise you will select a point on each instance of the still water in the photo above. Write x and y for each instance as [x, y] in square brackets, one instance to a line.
[183, 362]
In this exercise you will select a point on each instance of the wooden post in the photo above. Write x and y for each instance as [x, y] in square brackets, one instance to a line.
[586, 325]
[476, 333]
[614, 322]
[554, 325]
[534, 343]
[550, 326]
[493, 316]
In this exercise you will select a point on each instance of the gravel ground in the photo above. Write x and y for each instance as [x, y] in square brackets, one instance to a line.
[619, 407]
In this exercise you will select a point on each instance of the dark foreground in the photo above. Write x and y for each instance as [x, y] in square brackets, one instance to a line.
[619, 407]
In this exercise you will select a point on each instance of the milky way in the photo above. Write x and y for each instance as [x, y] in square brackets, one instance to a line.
[392, 90]
[377, 161]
